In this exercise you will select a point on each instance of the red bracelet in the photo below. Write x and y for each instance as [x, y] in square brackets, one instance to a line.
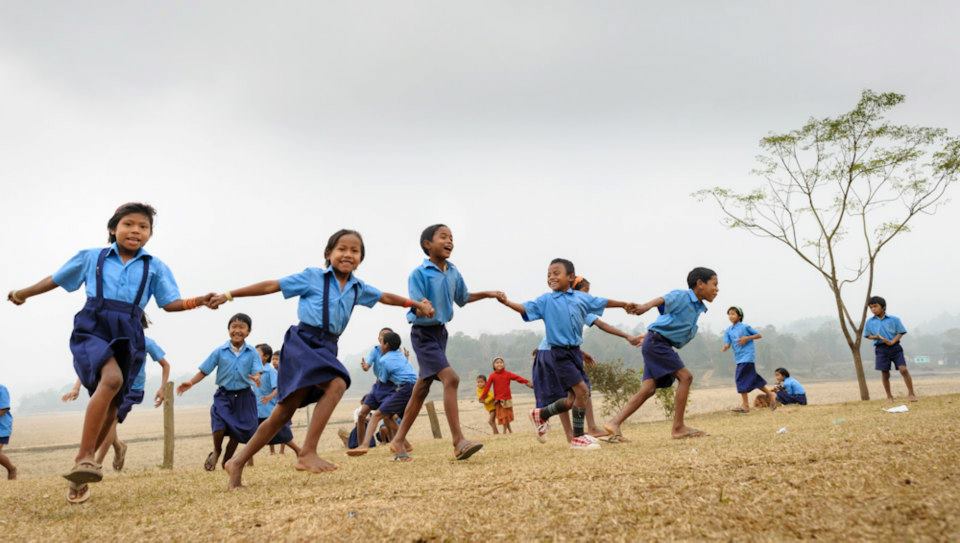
[408, 303]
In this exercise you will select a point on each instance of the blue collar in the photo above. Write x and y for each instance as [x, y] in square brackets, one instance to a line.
[695, 301]
[427, 263]
[350, 280]
[557, 293]
[114, 249]
[229, 347]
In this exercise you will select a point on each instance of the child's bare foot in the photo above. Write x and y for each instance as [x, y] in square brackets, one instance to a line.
[407, 445]
[890, 398]
[235, 473]
[313, 463]
[740, 409]
[686, 432]
[912, 397]
[597, 432]
[398, 448]
[612, 429]
[359, 451]
[12, 474]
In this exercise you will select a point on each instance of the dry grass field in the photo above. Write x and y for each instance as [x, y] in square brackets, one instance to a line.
[840, 471]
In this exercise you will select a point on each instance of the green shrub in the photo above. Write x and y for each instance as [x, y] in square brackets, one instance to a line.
[618, 384]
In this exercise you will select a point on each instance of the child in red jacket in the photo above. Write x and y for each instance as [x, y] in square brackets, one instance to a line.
[500, 379]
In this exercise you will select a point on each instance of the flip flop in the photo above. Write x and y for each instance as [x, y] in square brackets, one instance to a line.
[468, 450]
[402, 457]
[615, 438]
[357, 452]
[80, 493]
[210, 463]
[738, 410]
[692, 433]
[120, 457]
[85, 472]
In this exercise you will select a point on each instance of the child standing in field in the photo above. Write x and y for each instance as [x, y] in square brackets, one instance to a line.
[309, 369]
[741, 336]
[503, 399]
[674, 328]
[487, 401]
[564, 312]
[6, 429]
[380, 389]
[788, 389]
[886, 331]
[234, 410]
[107, 341]
[440, 282]
[266, 394]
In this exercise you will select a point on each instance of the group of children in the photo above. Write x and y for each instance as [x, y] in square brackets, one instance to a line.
[254, 405]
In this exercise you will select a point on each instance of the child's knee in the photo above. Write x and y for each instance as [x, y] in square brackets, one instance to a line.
[337, 386]
[903, 370]
[452, 380]
[685, 377]
[111, 380]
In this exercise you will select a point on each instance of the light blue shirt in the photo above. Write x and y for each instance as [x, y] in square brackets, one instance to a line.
[792, 386]
[397, 368]
[589, 321]
[742, 354]
[233, 368]
[374, 360]
[564, 314]
[443, 289]
[120, 281]
[678, 317]
[308, 285]
[268, 383]
[6, 421]
[888, 327]
[157, 354]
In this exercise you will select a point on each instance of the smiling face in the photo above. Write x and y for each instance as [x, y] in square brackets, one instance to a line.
[440, 246]
[481, 382]
[238, 332]
[346, 254]
[498, 364]
[558, 279]
[275, 361]
[733, 316]
[707, 291]
[132, 232]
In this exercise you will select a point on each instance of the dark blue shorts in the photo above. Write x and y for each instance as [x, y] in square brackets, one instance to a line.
[787, 399]
[284, 435]
[430, 345]
[234, 412]
[377, 393]
[352, 441]
[567, 364]
[308, 359]
[889, 354]
[132, 398]
[747, 378]
[546, 386]
[5, 440]
[660, 360]
[396, 401]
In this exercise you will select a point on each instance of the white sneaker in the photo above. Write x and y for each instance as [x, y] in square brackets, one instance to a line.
[541, 425]
[583, 443]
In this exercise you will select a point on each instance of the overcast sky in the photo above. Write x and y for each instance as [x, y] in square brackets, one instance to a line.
[533, 129]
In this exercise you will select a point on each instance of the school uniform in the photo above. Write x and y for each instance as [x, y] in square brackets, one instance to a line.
[400, 377]
[546, 384]
[745, 357]
[234, 409]
[135, 396]
[564, 314]
[792, 392]
[268, 383]
[674, 328]
[6, 420]
[109, 324]
[309, 354]
[887, 327]
[428, 336]
[381, 388]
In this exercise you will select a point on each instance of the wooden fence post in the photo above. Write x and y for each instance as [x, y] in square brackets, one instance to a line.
[167, 426]
[434, 423]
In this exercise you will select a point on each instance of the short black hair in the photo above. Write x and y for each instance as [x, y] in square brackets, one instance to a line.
[332, 243]
[877, 300]
[427, 235]
[386, 329]
[482, 376]
[392, 341]
[266, 349]
[582, 284]
[129, 209]
[699, 274]
[241, 317]
[736, 310]
[567, 265]
[782, 371]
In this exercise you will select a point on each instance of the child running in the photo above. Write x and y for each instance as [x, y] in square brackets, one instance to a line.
[380, 389]
[674, 328]
[502, 398]
[6, 429]
[234, 410]
[487, 401]
[564, 312]
[266, 394]
[741, 336]
[107, 341]
[400, 376]
[886, 331]
[789, 390]
[440, 282]
[309, 369]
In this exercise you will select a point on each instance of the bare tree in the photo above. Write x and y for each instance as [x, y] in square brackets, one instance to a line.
[838, 190]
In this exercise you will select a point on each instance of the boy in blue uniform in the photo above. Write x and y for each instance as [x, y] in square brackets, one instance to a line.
[266, 394]
[234, 409]
[6, 428]
[674, 328]
[886, 332]
[564, 312]
[400, 376]
[740, 337]
[380, 389]
[788, 389]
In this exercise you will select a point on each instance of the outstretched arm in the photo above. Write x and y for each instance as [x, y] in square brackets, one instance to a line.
[423, 308]
[262, 288]
[502, 298]
[18, 297]
[640, 309]
[190, 303]
[193, 380]
[613, 330]
[482, 295]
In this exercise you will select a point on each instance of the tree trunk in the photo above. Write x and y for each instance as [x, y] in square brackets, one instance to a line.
[858, 366]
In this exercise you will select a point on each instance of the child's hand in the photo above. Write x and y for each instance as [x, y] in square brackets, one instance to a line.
[501, 297]
[363, 364]
[13, 298]
[158, 398]
[216, 301]
[406, 353]
[588, 360]
[183, 388]
[636, 341]
[70, 396]
[743, 341]
[529, 385]
[425, 309]
[265, 400]
[206, 299]
[255, 377]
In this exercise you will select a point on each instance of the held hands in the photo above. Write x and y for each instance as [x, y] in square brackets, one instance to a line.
[255, 377]
[529, 385]
[183, 388]
[636, 341]
[424, 309]
[500, 296]
[636, 309]
[216, 300]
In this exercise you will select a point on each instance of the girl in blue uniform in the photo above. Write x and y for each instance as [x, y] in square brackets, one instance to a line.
[309, 369]
[107, 340]
[741, 337]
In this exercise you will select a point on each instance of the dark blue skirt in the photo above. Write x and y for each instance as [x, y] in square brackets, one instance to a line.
[546, 386]
[308, 359]
[104, 330]
[888, 355]
[747, 378]
[5, 440]
[134, 397]
[430, 345]
[660, 360]
[377, 393]
[787, 399]
[395, 402]
[234, 412]
[284, 435]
